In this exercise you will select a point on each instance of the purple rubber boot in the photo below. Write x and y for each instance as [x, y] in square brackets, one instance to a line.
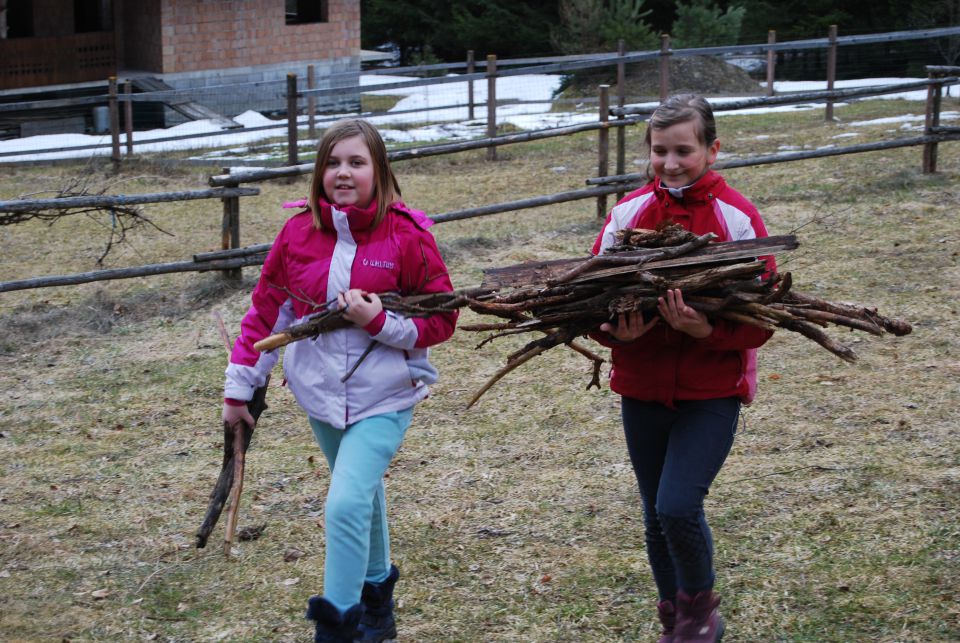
[697, 618]
[668, 619]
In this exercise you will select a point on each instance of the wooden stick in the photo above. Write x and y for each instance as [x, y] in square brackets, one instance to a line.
[597, 363]
[239, 432]
[522, 359]
[225, 482]
[222, 330]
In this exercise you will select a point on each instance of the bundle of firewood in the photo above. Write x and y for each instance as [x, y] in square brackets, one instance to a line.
[567, 298]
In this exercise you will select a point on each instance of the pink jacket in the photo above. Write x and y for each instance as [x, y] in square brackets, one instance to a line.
[665, 365]
[304, 271]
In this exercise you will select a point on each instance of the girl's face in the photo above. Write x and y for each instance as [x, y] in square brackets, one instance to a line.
[679, 156]
[348, 178]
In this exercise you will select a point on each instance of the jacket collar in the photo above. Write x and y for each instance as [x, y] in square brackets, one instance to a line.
[703, 189]
[358, 218]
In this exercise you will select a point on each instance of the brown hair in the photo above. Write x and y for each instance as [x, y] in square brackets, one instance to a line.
[386, 189]
[681, 108]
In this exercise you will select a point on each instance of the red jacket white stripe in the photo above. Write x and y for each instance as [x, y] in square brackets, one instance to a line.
[665, 365]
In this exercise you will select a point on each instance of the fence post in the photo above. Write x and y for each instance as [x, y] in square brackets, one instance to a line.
[831, 69]
[771, 60]
[291, 119]
[665, 54]
[931, 120]
[470, 68]
[621, 101]
[311, 103]
[491, 104]
[128, 116]
[114, 121]
[230, 228]
[603, 147]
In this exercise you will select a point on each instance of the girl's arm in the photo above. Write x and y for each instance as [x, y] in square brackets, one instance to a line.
[270, 310]
[429, 274]
[422, 271]
[729, 336]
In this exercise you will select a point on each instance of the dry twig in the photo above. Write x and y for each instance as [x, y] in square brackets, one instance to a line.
[570, 298]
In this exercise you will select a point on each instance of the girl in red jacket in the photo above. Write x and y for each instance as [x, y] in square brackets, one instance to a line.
[682, 375]
[352, 238]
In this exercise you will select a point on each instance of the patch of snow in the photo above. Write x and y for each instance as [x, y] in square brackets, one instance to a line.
[447, 123]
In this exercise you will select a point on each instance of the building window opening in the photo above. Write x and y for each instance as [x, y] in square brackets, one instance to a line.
[19, 19]
[92, 15]
[305, 11]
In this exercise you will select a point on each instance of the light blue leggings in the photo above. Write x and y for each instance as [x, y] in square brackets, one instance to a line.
[358, 542]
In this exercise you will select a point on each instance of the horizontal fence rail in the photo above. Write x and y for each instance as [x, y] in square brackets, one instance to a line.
[599, 186]
[784, 157]
[800, 97]
[241, 175]
[127, 273]
[118, 200]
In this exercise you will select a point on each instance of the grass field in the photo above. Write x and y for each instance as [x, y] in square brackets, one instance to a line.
[835, 518]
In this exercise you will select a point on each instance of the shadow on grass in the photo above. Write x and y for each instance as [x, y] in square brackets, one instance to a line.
[104, 311]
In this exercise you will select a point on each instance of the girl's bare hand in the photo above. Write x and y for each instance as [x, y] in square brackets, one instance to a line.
[629, 327]
[682, 317]
[233, 414]
[358, 306]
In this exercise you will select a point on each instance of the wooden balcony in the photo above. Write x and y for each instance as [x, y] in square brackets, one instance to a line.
[77, 58]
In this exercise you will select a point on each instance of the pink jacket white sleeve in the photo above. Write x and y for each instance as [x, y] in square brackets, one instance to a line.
[304, 271]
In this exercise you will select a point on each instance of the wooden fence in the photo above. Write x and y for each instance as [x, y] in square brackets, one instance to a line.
[230, 235]
[303, 100]
[226, 186]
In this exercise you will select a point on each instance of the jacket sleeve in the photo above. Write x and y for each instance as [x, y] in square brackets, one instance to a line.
[271, 310]
[731, 336]
[422, 271]
[602, 338]
[427, 273]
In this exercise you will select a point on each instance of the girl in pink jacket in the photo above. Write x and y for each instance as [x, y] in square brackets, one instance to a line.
[353, 238]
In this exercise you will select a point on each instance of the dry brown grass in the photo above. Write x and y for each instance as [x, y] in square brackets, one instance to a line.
[835, 517]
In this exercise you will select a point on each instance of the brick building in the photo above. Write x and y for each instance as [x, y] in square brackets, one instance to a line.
[182, 43]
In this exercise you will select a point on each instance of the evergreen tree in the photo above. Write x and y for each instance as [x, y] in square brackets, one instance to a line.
[798, 19]
[701, 23]
[939, 13]
[448, 29]
[591, 26]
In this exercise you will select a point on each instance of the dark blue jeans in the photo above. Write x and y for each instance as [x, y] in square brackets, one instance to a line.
[676, 454]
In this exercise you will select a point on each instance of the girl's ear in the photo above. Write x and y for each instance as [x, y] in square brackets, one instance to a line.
[712, 151]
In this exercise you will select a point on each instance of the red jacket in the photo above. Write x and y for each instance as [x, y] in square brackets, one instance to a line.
[665, 365]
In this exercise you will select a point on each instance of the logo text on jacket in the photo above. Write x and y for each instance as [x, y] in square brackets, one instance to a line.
[379, 263]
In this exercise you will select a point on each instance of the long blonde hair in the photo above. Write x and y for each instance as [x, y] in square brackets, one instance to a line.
[386, 189]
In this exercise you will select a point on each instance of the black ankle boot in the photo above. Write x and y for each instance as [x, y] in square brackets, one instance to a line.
[378, 623]
[332, 626]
